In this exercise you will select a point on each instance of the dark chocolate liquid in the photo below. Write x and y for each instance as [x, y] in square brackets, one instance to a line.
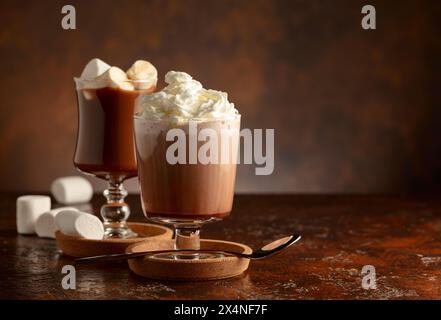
[105, 144]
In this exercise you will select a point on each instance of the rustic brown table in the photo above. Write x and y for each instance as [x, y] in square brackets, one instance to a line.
[399, 236]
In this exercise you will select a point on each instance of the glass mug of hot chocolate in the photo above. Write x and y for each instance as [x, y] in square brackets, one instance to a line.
[105, 146]
[186, 146]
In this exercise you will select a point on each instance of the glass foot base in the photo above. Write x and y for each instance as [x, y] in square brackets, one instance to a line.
[188, 256]
[119, 233]
[187, 237]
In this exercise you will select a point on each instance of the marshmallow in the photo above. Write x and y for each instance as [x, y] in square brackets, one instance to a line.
[116, 78]
[79, 224]
[65, 221]
[143, 73]
[45, 224]
[90, 227]
[73, 189]
[94, 69]
[29, 208]
[97, 74]
[126, 86]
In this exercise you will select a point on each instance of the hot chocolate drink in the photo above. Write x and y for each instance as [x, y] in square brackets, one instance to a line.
[105, 148]
[191, 191]
[186, 190]
[105, 145]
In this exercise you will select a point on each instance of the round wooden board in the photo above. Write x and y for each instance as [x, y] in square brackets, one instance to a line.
[80, 247]
[189, 270]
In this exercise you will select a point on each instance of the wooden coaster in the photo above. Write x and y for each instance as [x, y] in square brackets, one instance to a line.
[189, 270]
[80, 247]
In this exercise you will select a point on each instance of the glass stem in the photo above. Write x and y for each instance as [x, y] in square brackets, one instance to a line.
[115, 193]
[187, 237]
[115, 211]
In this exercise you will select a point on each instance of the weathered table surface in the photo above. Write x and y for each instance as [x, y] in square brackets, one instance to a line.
[399, 236]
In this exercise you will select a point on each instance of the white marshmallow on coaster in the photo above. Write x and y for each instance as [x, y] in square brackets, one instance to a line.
[29, 208]
[75, 189]
[45, 224]
[89, 226]
[79, 224]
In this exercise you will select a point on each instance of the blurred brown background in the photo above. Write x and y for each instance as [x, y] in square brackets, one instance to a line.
[353, 110]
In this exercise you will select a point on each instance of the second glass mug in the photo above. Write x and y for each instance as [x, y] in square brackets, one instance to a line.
[105, 146]
[186, 196]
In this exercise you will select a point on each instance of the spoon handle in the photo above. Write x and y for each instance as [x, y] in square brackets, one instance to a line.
[266, 251]
[133, 255]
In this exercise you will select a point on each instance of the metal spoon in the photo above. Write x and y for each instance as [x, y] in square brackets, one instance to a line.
[265, 251]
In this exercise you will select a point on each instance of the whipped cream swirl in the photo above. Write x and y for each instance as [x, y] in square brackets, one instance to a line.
[185, 99]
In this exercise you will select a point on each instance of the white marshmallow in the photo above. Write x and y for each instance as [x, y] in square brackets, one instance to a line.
[29, 208]
[74, 189]
[45, 224]
[112, 77]
[126, 86]
[94, 69]
[116, 78]
[79, 224]
[144, 74]
[90, 227]
[65, 221]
